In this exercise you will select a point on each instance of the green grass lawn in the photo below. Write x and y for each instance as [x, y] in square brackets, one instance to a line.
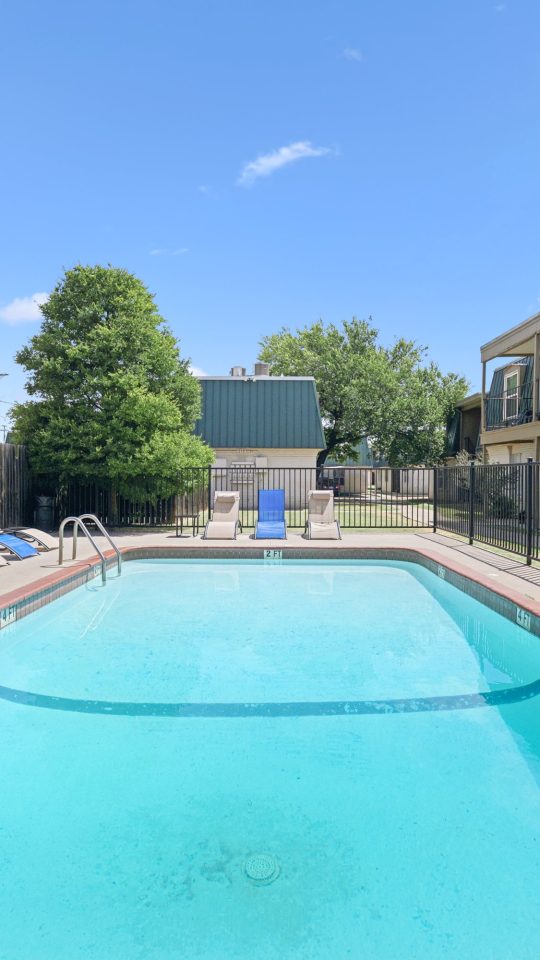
[352, 516]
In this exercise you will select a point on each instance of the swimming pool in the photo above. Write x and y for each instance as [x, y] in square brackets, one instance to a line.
[367, 726]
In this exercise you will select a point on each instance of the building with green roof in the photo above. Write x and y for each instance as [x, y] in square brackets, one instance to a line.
[256, 423]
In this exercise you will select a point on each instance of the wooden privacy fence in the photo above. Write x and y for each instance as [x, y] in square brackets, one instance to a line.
[15, 488]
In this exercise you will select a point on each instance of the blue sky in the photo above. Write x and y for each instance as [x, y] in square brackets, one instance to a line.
[261, 164]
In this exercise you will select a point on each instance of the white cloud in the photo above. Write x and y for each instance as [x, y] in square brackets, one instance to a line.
[23, 309]
[268, 163]
[166, 252]
[351, 53]
[197, 372]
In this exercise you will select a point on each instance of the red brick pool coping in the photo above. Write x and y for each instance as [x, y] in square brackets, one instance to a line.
[24, 600]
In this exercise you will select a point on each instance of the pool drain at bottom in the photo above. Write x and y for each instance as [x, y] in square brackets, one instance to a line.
[262, 868]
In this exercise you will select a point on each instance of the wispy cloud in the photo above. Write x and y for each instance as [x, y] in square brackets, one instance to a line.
[196, 371]
[500, 7]
[204, 188]
[268, 163]
[351, 53]
[168, 252]
[23, 309]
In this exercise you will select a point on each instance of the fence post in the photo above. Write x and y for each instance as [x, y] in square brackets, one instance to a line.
[472, 483]
[209, 492]
[435, 497]
[529, 508]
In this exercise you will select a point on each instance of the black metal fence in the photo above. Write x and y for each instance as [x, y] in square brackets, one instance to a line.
[15, 487]
[496, 504]
[364, 497]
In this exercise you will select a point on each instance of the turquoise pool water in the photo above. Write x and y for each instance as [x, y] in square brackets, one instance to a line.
[366, 724]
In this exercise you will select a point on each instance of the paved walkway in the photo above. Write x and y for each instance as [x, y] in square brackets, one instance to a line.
[501, 561]
[509, 576]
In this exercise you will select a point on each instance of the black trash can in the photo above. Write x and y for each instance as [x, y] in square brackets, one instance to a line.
[44, 513]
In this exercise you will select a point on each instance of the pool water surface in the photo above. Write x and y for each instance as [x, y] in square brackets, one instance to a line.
[407, 831]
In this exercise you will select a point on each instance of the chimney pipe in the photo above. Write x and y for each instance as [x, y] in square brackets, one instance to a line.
[238, 371]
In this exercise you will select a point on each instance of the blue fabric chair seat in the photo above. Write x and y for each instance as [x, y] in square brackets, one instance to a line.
[271, 529]
[21, 548]
[271, 520]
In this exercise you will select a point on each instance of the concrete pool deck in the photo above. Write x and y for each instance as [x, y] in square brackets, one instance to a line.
[28, 584]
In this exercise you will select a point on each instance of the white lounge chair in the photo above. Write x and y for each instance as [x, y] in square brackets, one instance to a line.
[38, 538]
[321, 523]
[225, 520]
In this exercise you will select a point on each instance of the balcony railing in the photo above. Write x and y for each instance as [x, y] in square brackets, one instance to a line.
[511, 409]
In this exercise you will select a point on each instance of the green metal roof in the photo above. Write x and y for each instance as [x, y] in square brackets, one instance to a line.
[260, 412]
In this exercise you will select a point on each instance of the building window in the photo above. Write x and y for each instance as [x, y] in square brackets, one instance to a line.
[511, 393]
[242, 471]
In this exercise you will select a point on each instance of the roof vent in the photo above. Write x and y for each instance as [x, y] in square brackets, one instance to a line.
[238, 371]
[262, 370]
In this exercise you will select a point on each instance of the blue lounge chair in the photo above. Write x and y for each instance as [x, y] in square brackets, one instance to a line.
[21, 548]
[38, 538]
[271, 520]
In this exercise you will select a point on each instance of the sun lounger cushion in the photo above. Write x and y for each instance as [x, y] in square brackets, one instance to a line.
[321, 522]
[323, 531]
[220, 530]
[224, 523]
[44, 540]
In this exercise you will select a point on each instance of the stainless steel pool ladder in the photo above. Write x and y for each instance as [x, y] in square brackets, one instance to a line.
[80, 522]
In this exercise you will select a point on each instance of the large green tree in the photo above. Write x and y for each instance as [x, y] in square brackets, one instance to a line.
[111, 398]
[393, 396]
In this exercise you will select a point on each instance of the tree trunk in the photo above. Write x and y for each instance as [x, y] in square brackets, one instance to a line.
[322, 456]
[321, 460]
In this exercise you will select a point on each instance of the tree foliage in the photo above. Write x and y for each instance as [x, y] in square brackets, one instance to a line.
[111, 398]
[393, 396]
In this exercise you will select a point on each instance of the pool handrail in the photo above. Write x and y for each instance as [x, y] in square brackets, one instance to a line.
[80, 522]
[93, 519]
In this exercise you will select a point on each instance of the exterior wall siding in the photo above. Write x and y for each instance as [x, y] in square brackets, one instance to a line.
[268, 475]
[510, 453]
[411, 481]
